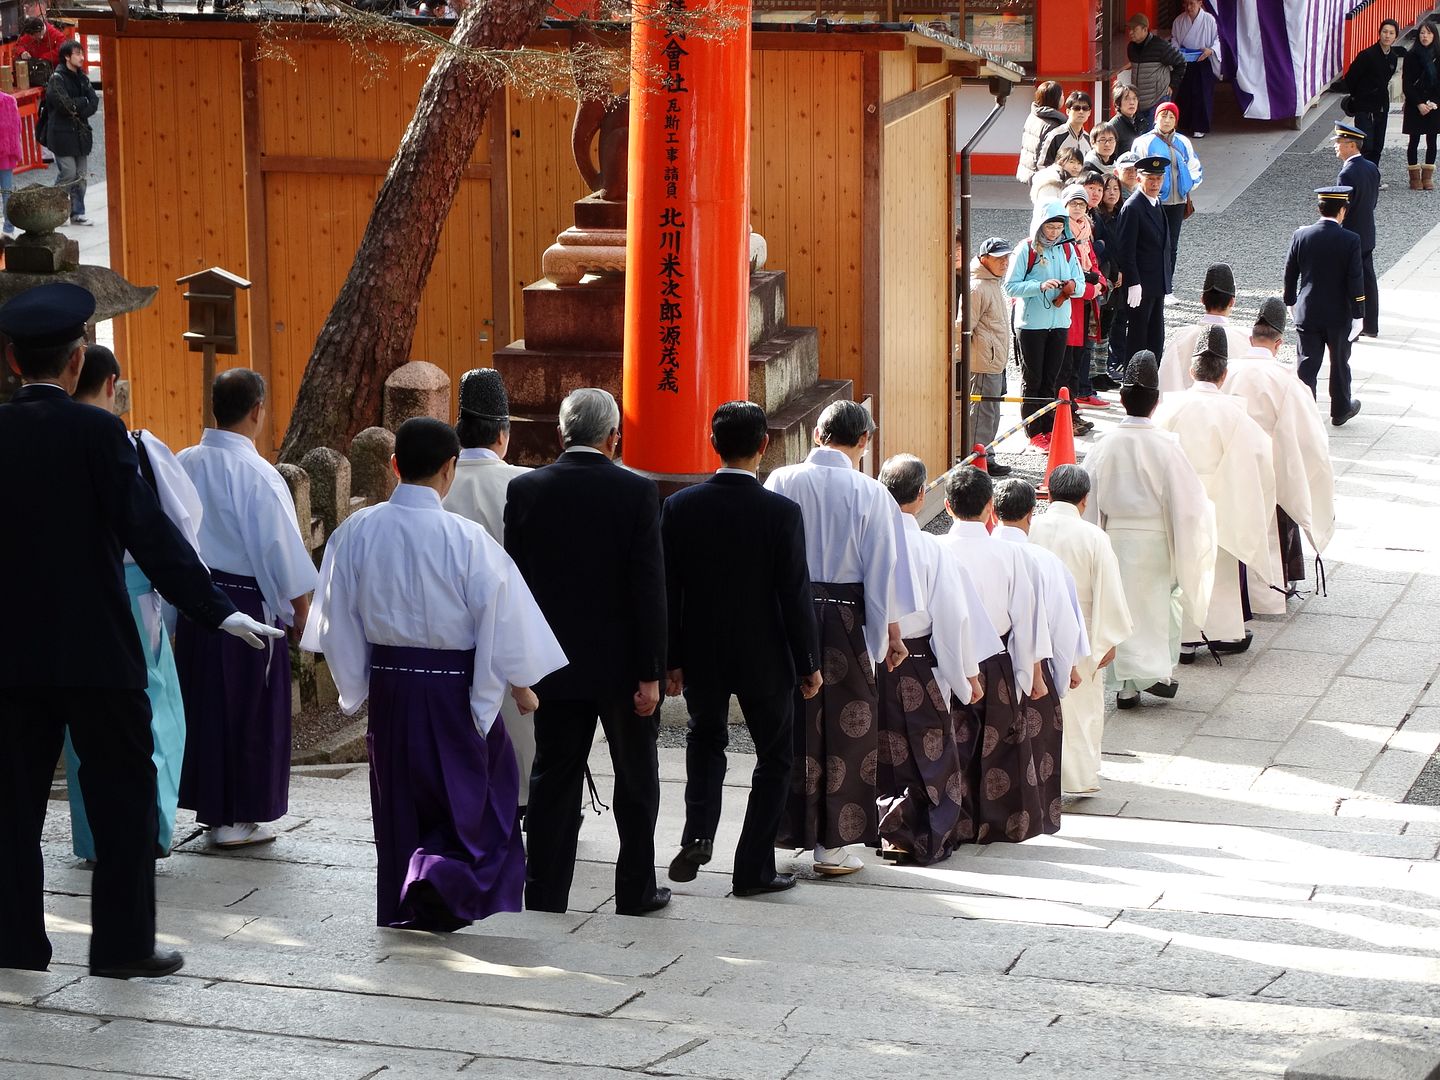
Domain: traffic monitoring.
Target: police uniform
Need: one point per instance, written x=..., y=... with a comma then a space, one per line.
x=1362, y=176
x=1325, y=284
x=1142, y=255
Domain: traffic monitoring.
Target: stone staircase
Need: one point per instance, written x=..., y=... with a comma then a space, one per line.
x=574, y=337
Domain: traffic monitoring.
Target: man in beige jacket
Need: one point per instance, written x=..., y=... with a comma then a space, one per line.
x=990, y=343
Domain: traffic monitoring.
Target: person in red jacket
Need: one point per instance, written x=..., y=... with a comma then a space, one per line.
x=40, y=41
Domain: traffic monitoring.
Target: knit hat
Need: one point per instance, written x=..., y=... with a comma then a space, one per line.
x=482, y=395
x=1168, y=106
x=1073, y=192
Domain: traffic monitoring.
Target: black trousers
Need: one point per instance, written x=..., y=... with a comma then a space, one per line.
x=1313, y=345
x=1372, y=293
x=1373, y=124
x=1175, y=214
x=1042, y=356
x=1145, y=325
x=111, y=733
x=769, y=718
x=564, y=731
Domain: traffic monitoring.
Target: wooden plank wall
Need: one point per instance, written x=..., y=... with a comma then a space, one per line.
x=917, y=276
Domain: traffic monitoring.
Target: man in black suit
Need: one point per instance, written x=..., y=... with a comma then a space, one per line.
x=1141, y=249
x=1325, y=284
x=586, y=534
x=741, y=622
x=1362, y=176
x=70, y=655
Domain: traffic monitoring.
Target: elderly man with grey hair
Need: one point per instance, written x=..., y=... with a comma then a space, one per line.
x=1085, y=550
x=585, y=534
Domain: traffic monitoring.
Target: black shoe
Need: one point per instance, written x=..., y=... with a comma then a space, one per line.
x=1233, y=648
x=996, y=469
x=658, y=899
x=1083, y=427
x=1127, y=702
x=155, y=966
x=1103, y=382
x=1187, y=657
x=692, y=856
x=779, y=883
x=1341, y=421
x=431, y=913
x=1163, y=689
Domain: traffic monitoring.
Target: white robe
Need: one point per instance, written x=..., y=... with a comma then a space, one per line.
x=407, y=573
x=1059, y=603
x=1304, y=477
x=951, y=613
x=248, y=527
x=181, y=503
x=1180, y=350
x=853, y=531
x=1149, y=500
x=1001, y=576
x=1087, y=553
x=1232, y=454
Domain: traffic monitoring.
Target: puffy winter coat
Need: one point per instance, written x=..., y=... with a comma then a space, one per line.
x=1034, y=263
x=1041, y=121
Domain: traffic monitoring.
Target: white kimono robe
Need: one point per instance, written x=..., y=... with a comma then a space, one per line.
x=853, y=532
x=1064, y=618
x=951, y=612
x=248, y=526
x=181, y=503
x=1232, y=454
x=1304, y=477
x=478, y=493
x=407, y=573
x=1149, y=500
x=1086, y=552
x=1180, y=350
x=1001, y=576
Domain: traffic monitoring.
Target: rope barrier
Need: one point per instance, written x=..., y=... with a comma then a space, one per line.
x=1055, y=403
x=1010, y=398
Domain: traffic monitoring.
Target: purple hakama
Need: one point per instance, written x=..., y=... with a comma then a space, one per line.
x=237, y=716
x=444, y=797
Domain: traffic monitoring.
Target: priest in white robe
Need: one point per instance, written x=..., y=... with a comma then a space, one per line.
x=1086, y=551
x=920, y=779
x=1149, y=500
x=1304, y=476
x=422, y=614
x=1218, y=297
x=237, y=700
x=1232, y=454
x=860, y=579
x=482, y=476
x=1003, y=739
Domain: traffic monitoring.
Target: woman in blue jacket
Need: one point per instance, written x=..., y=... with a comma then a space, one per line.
x=1045, y=273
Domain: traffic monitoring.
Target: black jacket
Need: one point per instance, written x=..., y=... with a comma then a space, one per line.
x=741, y=616
x=1140, y=245
x=1364, y=177
x=70, y=101
x=1367, y=79
x=585, y=533
x=1324, y=277
x=1421, y=79
x=77, y=502
x=1158, y=66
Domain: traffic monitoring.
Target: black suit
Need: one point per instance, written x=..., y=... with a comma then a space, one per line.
x=1141, y=250
x=1364, y=177
x=1325, y=284
x=742, y=622
x=70, y=656
x=586, y=535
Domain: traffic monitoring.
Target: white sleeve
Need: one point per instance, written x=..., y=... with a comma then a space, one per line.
x=1029, y=634
x=178, y=497
x=283, y=566
x=335, y=627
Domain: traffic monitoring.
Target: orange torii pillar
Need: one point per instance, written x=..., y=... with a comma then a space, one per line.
x=687, y=272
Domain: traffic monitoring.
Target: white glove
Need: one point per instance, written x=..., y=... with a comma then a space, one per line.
x=1132, y=298
x=249, y=631
x=1356, y=325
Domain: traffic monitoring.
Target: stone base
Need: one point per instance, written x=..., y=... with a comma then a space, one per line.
x=43, y=253
x=588, y=316
x=1364, y=1059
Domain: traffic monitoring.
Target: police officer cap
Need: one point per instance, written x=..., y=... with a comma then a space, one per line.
x=1143, y=370
x=482, y=395
x=1273, y=314
x=53, y=314
x=1213, y=342
x=1344, y=130
x=1338, y=193
x=1152, y=166
x=1220, y=278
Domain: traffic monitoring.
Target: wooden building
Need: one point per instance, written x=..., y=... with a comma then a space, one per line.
x=220, y=154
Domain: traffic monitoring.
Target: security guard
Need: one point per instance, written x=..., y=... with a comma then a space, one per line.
x=1325, y=284
x=1142, y=254
x=1362, y=176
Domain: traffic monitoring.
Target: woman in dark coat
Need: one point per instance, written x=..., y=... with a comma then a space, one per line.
x=70, y=101
x=1421, y=78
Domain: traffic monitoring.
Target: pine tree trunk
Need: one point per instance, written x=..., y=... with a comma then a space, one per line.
x=369, y=330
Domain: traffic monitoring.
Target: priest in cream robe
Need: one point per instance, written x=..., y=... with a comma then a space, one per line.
x=481, y=477
x=1086, y=552
x=181, y=504
x=1304, y=477
x=919, y=784
x=1232, y=454
x=1149, y=500
x=1001, y=738
x=1218, y=296
x=861, y=583
x=423, y=614
x=237, y=700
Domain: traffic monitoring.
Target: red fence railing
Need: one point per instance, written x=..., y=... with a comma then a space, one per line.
x=1362, y=22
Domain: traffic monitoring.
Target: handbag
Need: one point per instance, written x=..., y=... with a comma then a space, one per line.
x=1189, y=207
x=1347, y=105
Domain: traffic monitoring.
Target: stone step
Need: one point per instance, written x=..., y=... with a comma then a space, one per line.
x=783, y=365
x=767, y=305
x=792, y=426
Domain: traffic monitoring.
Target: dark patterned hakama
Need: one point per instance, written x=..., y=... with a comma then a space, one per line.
x=919, y=781
x=832, y=787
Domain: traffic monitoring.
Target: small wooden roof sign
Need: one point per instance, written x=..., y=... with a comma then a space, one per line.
x=210, y=309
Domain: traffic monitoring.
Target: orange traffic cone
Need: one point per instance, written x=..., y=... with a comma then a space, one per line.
x=982, y=460
x=1062, y=436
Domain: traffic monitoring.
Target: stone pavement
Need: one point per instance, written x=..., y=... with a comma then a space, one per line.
x=1246, y=884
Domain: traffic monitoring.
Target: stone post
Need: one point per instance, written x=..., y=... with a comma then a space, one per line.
x=418, y=388
x=329, y=486
x=371, y=477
